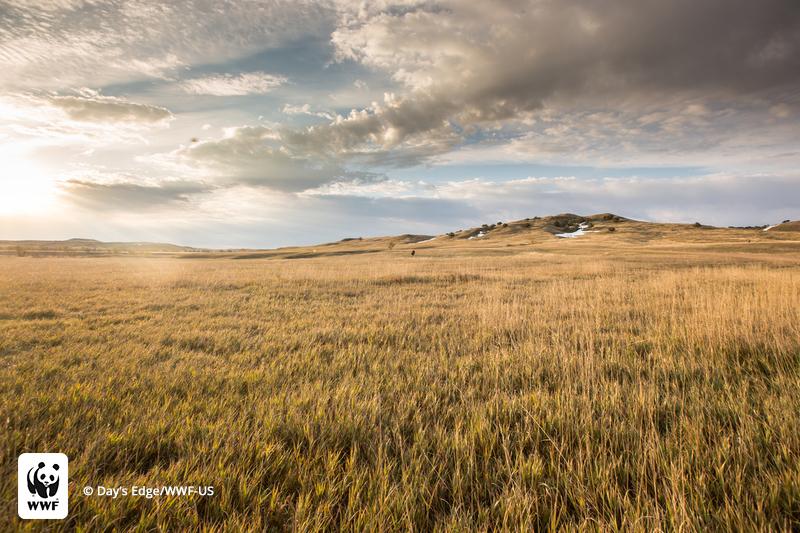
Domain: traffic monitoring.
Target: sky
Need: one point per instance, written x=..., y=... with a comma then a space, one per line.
x=261, y=123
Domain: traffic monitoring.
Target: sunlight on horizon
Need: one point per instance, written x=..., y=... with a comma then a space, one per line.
x=26, y=188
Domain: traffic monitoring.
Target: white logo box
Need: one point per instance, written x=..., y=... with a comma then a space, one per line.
x=42, y=486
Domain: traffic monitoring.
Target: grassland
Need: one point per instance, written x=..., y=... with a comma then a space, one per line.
x=643, y=379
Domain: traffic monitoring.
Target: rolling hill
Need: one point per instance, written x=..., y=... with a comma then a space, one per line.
x=556, y=232
x=563, y=233
x=88, y=247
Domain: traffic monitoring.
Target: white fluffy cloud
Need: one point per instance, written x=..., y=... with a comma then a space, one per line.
x=230, y=85
x=305, y=109
x=254, y=155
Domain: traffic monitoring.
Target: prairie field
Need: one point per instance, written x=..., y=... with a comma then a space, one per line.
x=574, y=385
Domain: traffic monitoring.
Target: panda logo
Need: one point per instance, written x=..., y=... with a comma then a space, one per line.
x=43, y=480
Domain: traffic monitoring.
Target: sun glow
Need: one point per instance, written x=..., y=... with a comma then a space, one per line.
x=25, y=187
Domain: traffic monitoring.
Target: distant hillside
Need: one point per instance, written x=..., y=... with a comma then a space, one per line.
x=547, y=231
x=88, y=247
x=605, y=225
x=787, y=225
x=557, y=225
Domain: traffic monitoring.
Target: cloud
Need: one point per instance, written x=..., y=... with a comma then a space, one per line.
x=62, y=43
x=513, y=54
x=230, y=85
x=129, y=194
x=305, y=109
x=561, y=79
x=80, y=123
x=254, y=155
x=394, y=133
x=291, y=160
x=722, y=199
x=474, y=64
x=96, y=108
x=464, y=70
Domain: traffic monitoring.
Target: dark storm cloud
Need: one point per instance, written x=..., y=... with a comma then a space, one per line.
x=483, y=61
x=728, y=45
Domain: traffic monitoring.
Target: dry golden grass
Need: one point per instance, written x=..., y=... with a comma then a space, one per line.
x=567, y=386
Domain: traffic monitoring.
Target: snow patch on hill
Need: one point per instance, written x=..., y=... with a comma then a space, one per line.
x=582, y=227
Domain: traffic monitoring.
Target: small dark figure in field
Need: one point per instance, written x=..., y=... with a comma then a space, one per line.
x=413, y=253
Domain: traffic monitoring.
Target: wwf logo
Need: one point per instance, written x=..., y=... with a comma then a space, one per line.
x=42, y=483
x=43, y=480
